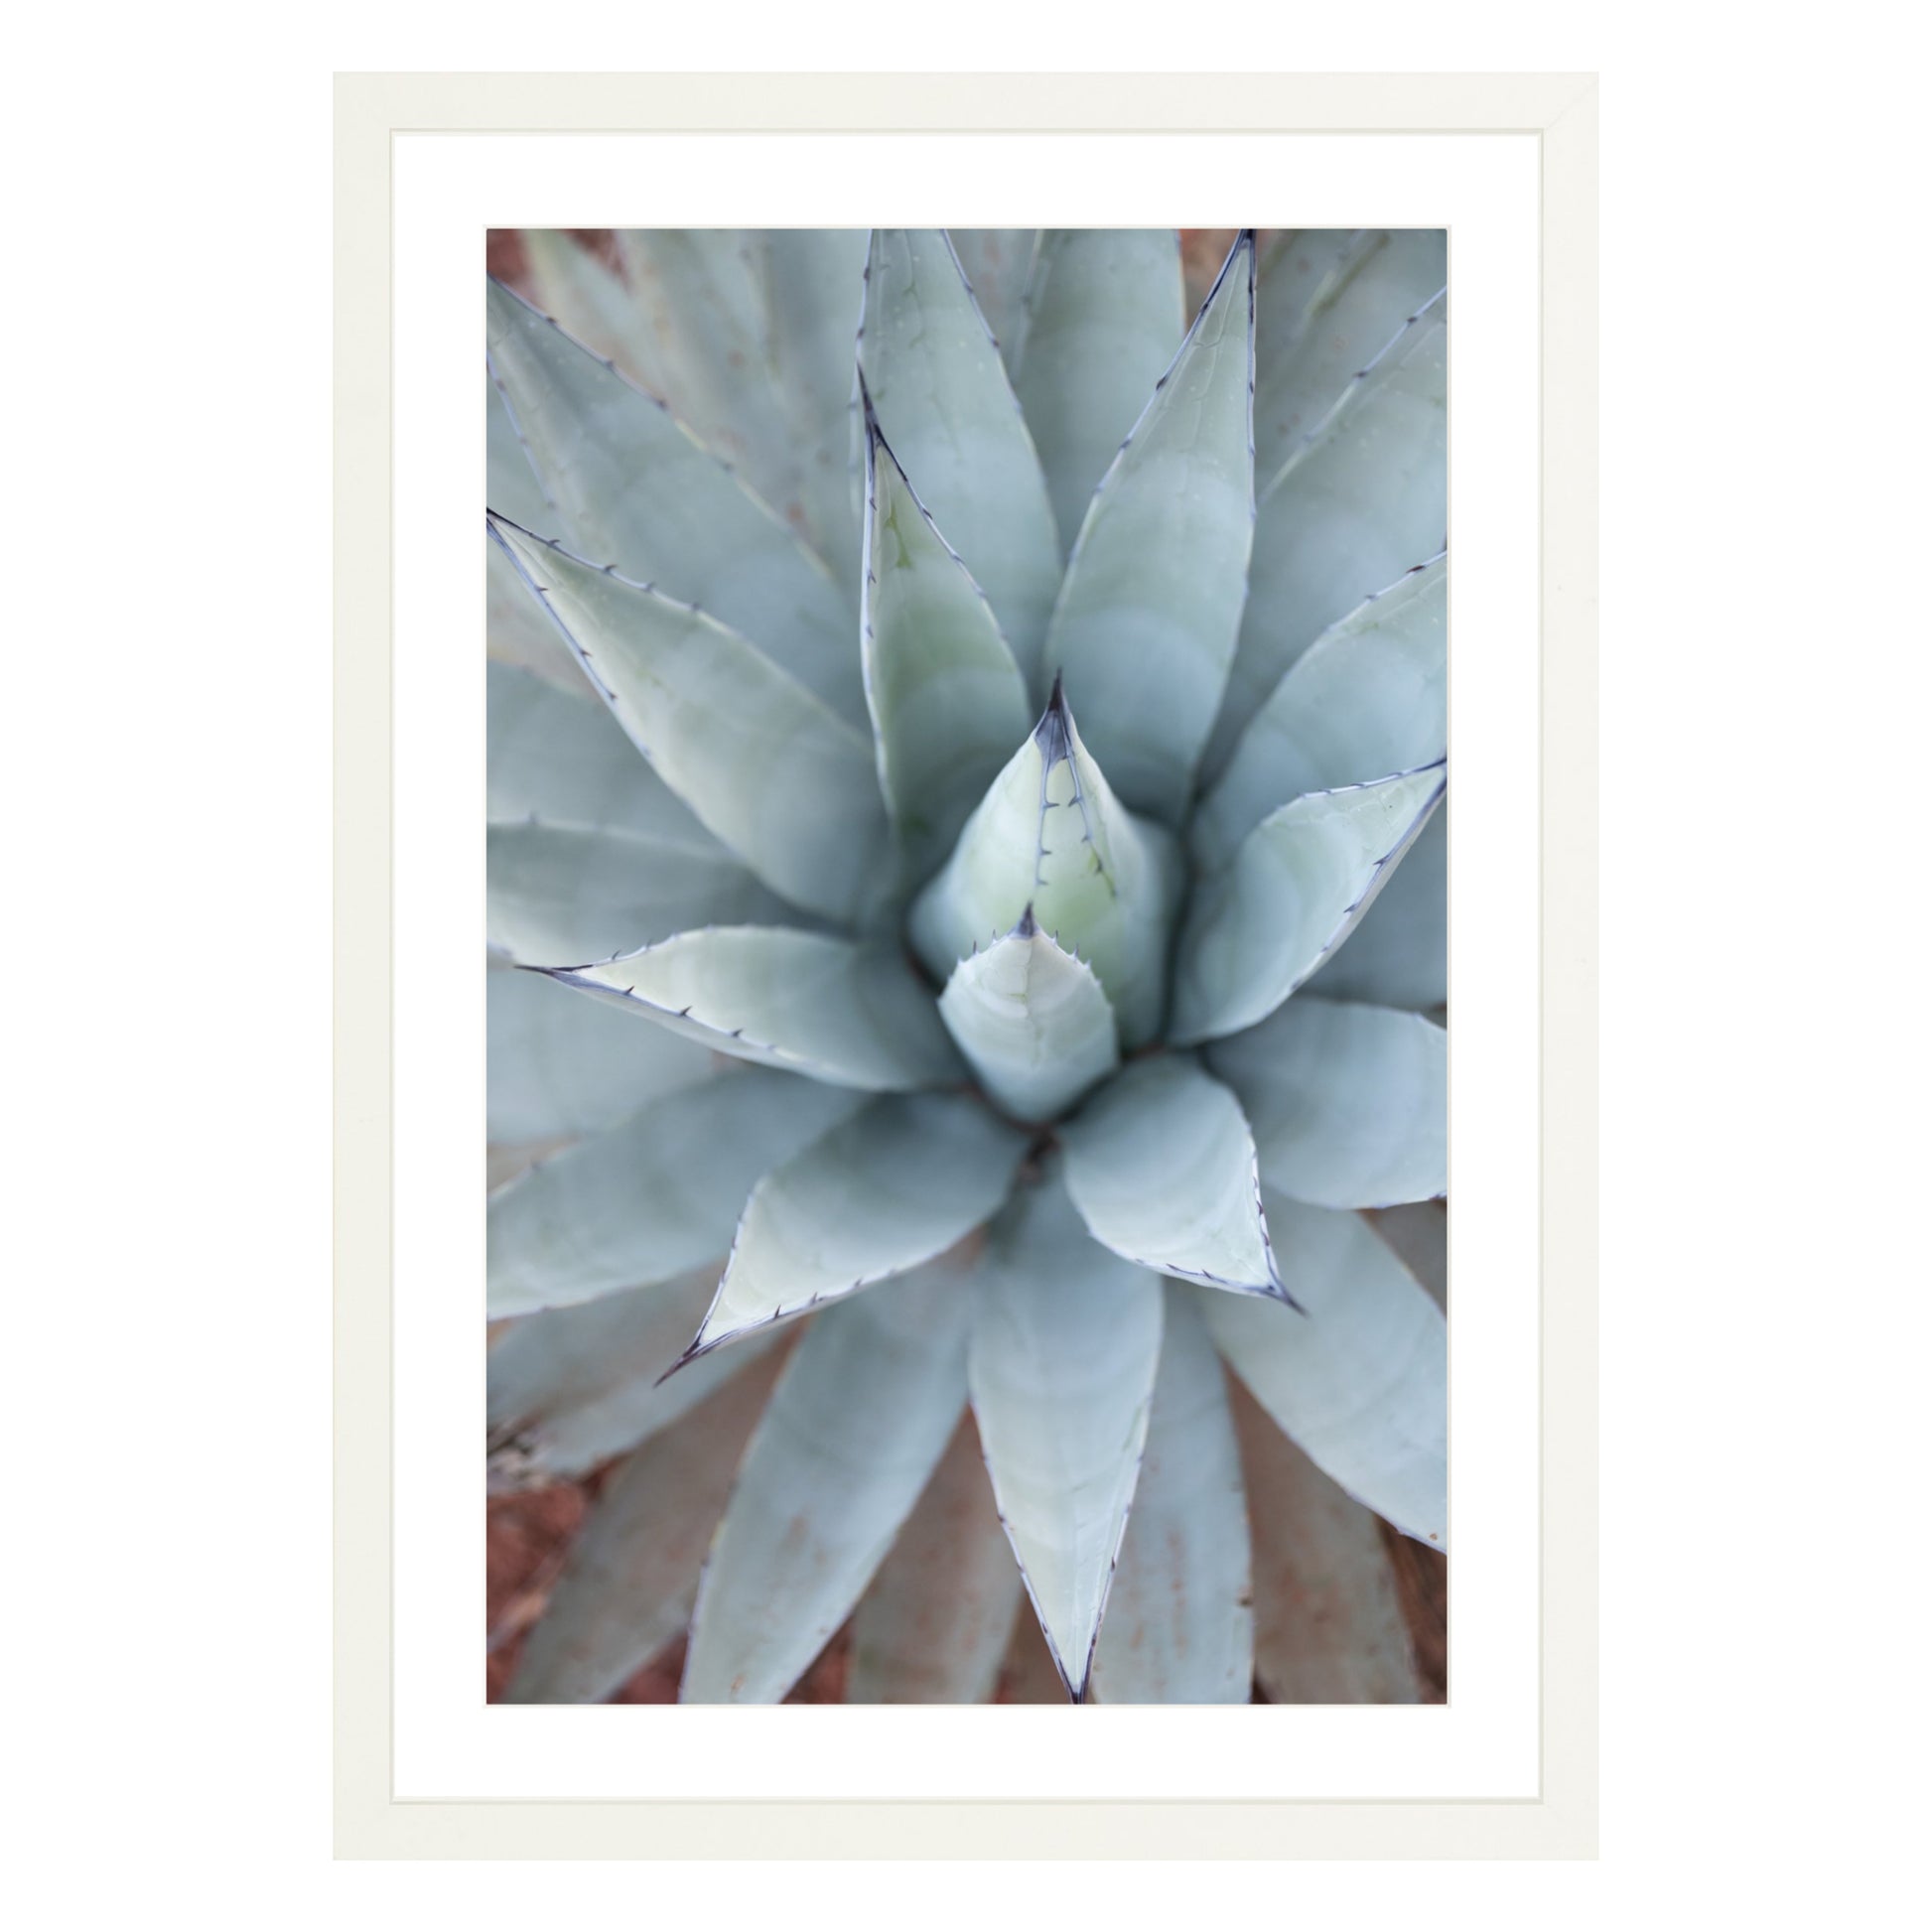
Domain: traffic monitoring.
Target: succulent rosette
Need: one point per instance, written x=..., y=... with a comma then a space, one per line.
x=966, y=915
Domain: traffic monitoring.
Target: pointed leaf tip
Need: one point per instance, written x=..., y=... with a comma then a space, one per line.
x=1161, y=1167
x=936, y=378
x=1061, y=1386
x=1298, y=885
x=1050, y=832
x=1150, y=608
x=1362, y=1385
x=886, y=1191
x=1033, y=1021
x=946, y=700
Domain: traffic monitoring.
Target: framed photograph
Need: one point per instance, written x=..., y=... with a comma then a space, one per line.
x=952, y=1126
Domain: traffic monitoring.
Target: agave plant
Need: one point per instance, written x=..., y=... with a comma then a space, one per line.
x=936, y=1056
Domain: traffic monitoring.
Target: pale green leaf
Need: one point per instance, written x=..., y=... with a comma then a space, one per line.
x=562, y=1065
x=588, y=300
x=1330, y=299
x=1162, y=1166
x=852, y=1015
x=1103, y=317
x=1144, y=627
x=1358, y=502
x=1297, y=885
x=628, y=1587
x=560, y=756
x=1362, y=1381
x=701, y=295
x=754, y=331
x=949, y=412
x=934, y=1624
x=1349, y=1104
x=511, y=484
x=570, y=1388
x=769, y=768
x=850, y=1438
x=1399, y=955
x=1050, y=835
x=1328, y=1621
x=947, y=701
x=639, y=492
x=517, y=629
x=561, y=895
x=1065, y=1343
x=891, y=1188
x=996, y=263
x=1033, y=1021
x=1370, y=697
x=817, y=287
x=1180, y=1625
x=653, y=1196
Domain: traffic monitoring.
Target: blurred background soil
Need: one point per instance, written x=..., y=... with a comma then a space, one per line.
x=528, y=1535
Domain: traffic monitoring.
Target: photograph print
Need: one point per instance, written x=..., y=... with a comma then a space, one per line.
x=966, y=972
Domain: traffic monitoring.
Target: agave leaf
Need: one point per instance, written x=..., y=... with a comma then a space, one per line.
x=560, y=756
x=887, y=1189
x=815, y=279
x=1361, y=1384
x=767, y=767
x=628, y=1584
x=510, y=480
x=850, y=1438
x=996, y=263
x=588, y=298
x=754, y=330
x=516, y=628
x=637, y=492
x=934, y=1624
x=1399, y=955
x=1103, y=313
x=1330, y=299
x=503, y=1161
x=570, y=1388
x=1146, y=623
x=1299, y=882
x=561, y=1066
x=651, y=1197
x=1033, y=1021
x=560, y=894
x=1050, y=835
x=1352, y=507
x=947, y=701
x=1369, y=697
x=1067, y=1339
x=701, y=295
x=1418, y=1232
x=1162, y=1166
x=1181, y=1621
x=1349, y=1103
x=1328, y=1622
x=851, y=1014
x=949, y=412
